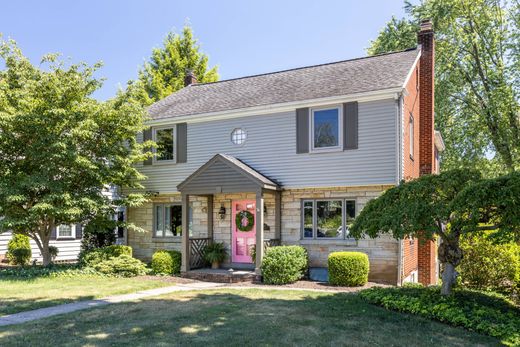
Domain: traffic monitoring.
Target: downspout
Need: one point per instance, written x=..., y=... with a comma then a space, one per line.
x=399, y=173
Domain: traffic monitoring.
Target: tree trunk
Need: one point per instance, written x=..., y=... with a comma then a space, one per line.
x=450, y=255
x=42, y=239
x=46, y=255
x=449, y=275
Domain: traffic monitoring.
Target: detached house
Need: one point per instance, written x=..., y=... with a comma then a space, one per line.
x=291, y=157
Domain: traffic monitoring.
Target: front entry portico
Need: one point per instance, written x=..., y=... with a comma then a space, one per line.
x=223, y=175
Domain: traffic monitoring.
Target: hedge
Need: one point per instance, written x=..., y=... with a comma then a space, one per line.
x=95, y=256
x=487, y=313
x=19, y=250
x=123, y=266
x=284, y=264
x=166, y=262
x=348, y=268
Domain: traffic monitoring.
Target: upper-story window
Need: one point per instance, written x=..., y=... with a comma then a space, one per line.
x=326, y=125
x=411, y=135
x=165, y=144
x=238, y=136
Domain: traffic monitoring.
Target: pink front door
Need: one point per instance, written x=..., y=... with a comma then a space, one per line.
x=243, y=230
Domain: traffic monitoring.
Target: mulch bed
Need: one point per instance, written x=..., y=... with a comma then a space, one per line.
x=310, y=285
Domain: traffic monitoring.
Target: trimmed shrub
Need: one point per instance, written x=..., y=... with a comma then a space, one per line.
x=284, y=264
x=487, y=313
x=348, y=268
x=53, y=251
x=19, y=250
x=123, y=266
x=166, y=262
x=489, y=266
x=95, y=256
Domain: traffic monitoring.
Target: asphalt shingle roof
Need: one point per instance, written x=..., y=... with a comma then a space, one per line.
x=313, y=82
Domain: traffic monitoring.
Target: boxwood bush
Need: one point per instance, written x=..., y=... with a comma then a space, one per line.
x=19, y=250
x=489, y=266
x=166, y=262
x=95, y=256
x=488, y=313
x=348, y=268
x=123, y=266
x=284, y=264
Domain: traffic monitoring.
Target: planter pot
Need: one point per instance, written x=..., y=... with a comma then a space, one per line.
x=215, y=265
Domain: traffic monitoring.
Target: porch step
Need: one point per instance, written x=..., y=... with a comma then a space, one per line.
x=221, y=275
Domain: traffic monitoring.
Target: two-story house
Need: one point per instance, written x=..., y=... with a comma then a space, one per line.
x=291, y=157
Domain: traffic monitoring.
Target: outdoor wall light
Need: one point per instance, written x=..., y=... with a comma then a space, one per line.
x=265, y=210
x=222, y=212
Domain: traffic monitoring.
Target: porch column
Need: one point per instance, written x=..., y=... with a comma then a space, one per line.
x=278, y=215
x=210, y=217
x=259, y=231
x=185, y=247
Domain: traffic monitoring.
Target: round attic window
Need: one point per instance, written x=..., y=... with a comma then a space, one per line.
x=238, y=136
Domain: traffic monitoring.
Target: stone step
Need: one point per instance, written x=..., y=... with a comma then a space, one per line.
x=221, y=276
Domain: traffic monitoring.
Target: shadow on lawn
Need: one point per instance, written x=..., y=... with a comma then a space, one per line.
x=245, y=317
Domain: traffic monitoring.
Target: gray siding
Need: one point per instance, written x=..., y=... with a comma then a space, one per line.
x=68, y=249
x=271, y=149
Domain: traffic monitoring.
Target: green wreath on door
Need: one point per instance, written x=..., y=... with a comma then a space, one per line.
x=250, y=221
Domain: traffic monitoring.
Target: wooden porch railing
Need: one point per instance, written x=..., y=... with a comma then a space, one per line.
x=196, y=251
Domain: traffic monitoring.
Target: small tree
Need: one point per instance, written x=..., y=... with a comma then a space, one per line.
x=445, y=206
x=60, y=148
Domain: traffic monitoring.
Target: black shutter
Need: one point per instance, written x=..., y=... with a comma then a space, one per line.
x=182, y=143
x=79, y=231
x=53, y=233
x=350, y=125
x=147, y=136
x=302, y=130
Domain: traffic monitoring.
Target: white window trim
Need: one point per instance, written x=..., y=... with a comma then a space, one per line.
x=337, y=148
x=315, y=219
x=72, y=231
x=411, y=135
x=154, y=138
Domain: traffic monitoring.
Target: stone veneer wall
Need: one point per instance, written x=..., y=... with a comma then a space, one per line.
x=382, y=252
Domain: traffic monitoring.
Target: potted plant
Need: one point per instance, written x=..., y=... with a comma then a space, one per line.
x=215, y=253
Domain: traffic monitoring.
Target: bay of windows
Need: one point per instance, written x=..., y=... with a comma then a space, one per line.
x=327, y=219
x=167, y=220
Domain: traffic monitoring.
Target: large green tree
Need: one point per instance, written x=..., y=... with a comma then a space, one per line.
x=445, y=206
x=168, y=65
x=477, y=75
x=60, y=148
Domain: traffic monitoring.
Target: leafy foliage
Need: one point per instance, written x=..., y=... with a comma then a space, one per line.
x=486, y=313
x=53, y=252
x=123, y=266
x=53, y=271
x=284, y=264
x=168, y=65
x=215, y=252
x=99, y=232
x=477, y=77
x=60, y=148
x=166, y=262
x=19, y=250
x=448, y=205
x=95, y=256
x=489, y=266
x=348, y=268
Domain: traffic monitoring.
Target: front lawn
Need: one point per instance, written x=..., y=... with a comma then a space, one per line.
x=244, y=317
x=22, y=294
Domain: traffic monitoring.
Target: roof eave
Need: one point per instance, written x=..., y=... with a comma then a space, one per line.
x=277, y=108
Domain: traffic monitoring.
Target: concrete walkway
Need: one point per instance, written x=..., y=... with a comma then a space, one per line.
x=28, y=316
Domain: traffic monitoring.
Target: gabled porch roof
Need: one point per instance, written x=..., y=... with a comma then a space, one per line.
x=225, y=174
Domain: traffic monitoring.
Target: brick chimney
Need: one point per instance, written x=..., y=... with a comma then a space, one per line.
x=427, y=256
x=189, y=78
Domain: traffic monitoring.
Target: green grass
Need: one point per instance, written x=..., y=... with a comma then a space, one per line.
x=243, y=317
x=21, y=294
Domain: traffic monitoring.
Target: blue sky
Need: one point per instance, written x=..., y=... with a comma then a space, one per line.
x=241, y=37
